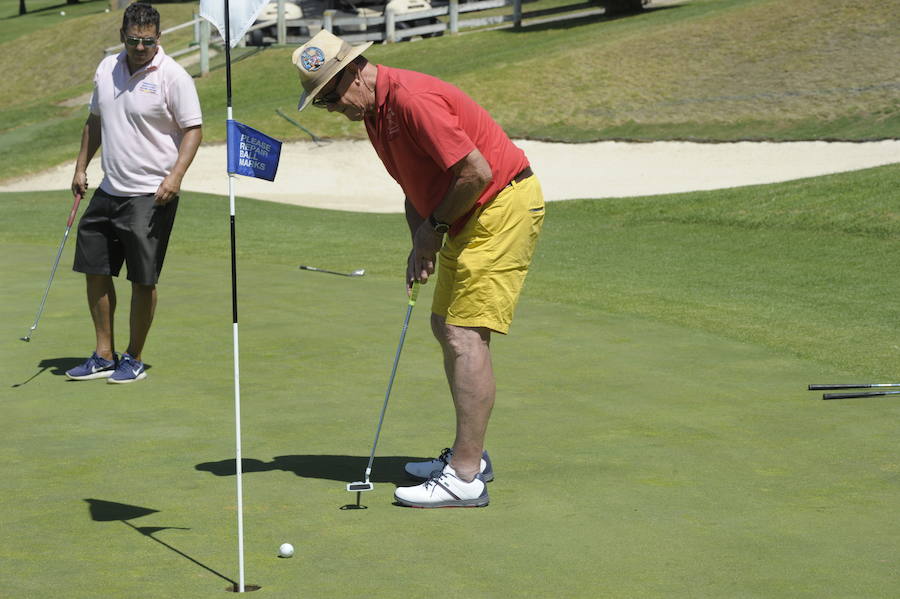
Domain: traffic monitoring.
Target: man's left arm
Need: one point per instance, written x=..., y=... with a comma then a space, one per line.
x=470, y=176
x=170, y=187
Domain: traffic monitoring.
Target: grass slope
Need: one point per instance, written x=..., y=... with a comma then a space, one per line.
x=652, y=435
x=705, y=69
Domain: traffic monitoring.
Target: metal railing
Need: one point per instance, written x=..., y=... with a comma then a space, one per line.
x=388, y=27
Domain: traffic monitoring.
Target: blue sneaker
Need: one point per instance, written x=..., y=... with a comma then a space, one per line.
x=129, y=370
x=94, y=368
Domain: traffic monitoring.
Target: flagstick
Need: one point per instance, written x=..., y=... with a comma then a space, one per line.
x=234, y=304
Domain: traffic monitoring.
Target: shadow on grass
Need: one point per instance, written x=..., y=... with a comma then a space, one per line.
x=58, y=367
x=111, y=511
x=342, y=468
x=549, y=23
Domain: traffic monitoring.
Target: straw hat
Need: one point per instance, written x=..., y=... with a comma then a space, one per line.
x=320, y=59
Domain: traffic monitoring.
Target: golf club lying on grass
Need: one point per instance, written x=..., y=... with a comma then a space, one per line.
x=855, y=386
x=356, y=273
x=366, y=485
x=59, y=252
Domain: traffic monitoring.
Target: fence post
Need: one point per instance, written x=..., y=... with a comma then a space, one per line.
x=517, y=14
x=390, y=24
x=204, y=47
x=328, y=20
x=282, y=26
x=454, y=17
x=196, y=18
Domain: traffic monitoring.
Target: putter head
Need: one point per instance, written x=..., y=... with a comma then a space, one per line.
x=358, y=273
x=360, y=486
x=26, y=338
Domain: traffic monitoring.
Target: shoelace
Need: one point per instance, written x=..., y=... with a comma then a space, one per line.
x=445, y=456
x=435, y=479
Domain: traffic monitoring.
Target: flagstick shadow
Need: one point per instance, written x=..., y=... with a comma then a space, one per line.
x=111, y=511
x=148, y=531
x=59, y=367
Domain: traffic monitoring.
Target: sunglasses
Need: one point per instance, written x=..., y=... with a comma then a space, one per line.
x=322, y=101
x=148, y=42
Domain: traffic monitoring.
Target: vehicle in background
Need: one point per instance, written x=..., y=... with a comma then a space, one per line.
x=269, y=35
x=621, y=7
x=304, y=18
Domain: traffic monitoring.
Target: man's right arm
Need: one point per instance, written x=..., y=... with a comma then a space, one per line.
x=414, y=221
x=90, y=143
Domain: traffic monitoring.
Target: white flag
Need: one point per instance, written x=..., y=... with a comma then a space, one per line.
x=243, y=14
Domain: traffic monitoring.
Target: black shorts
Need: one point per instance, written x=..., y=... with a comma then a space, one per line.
x=116, y=229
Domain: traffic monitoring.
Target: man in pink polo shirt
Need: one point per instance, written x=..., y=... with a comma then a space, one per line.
x=472, y=200
x=146, y=112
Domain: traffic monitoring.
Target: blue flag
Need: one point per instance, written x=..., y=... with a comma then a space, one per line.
x=252, y=153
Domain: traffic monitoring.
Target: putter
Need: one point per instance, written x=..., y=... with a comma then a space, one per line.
x=859, y=394
x=59, y=252
x=366, y=485
x=356, y=273
x=851, y=386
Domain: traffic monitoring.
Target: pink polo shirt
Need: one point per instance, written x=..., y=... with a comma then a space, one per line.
x=141, y=119
x=423, y=126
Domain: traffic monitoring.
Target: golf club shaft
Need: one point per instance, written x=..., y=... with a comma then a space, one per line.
x=298, y=125
x=852, y=386
x=387, y=394
x=860, y=394
x=59, y=252
x=331, y=272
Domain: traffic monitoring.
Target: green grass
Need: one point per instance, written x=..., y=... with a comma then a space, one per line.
x=41, y=15
x=652, y=435
x=702, y=70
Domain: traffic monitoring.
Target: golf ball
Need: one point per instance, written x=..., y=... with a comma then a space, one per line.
x=286, y=550
x=62, y=13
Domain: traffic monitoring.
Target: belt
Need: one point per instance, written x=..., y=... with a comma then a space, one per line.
x=523, y=174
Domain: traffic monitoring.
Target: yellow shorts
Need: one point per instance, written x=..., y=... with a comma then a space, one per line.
x=481, y=269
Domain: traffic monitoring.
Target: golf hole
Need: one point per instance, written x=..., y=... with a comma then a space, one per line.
x=247, y=588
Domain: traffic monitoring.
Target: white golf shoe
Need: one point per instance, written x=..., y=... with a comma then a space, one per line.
x=424, y=470
x=444, y=489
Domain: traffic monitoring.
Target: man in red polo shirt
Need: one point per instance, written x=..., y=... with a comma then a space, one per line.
x=471, y=199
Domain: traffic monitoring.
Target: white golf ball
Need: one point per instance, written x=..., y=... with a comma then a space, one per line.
x=286, y=550
x=62, y=13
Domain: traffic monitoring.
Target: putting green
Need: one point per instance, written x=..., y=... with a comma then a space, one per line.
x=634, y=457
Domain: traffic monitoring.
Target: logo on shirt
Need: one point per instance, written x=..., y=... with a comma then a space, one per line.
x=393, y=126
x=312, y=59
x=148, y=87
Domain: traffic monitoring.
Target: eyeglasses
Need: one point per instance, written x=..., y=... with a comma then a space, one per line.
x=322, y=101
x=148, y=42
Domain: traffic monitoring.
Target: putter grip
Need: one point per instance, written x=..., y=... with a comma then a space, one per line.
x=848, y=395
x=414, y=294
x=74, y=210
x=850, y=386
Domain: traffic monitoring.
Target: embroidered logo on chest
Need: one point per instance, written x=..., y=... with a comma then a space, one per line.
x=392, y=124
x=146, y=87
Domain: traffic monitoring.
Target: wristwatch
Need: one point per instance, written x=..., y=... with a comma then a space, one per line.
x=439, y=227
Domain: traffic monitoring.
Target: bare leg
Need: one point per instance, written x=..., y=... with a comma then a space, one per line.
x=467, y=363
x=101, y=296
x=143, y=306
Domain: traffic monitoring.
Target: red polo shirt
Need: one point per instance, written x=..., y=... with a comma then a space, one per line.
x=423, y=126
